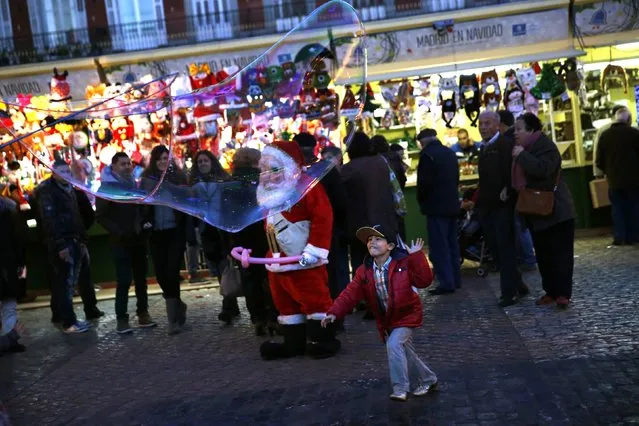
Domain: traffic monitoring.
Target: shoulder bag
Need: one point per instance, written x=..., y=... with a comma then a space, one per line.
x=537, y=202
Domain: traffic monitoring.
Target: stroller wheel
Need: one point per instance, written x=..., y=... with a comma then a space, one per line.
x=481, y=272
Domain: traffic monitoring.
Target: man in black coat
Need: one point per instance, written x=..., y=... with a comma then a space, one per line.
x=337, y=266
x=618, y=158
x=496, y=205
x=123, y=222
x=438, y=198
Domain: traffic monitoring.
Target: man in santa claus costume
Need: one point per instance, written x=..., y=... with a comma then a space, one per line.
x=300, y=290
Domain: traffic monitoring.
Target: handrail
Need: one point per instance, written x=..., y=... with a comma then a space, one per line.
x=202, y=28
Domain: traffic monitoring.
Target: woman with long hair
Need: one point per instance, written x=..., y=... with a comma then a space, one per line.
x=168, y=233
x=537, y=165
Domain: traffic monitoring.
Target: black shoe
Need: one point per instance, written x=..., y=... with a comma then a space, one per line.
x=16, y=347
x=523, y=290
x=441, y=291
x=225, y=317
x=94, y=314
x=369, y=315
x=509, y=301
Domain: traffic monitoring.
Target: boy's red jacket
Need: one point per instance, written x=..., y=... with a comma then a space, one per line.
x=404, y=305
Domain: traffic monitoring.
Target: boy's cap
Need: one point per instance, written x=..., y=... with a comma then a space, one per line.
x=364, y=233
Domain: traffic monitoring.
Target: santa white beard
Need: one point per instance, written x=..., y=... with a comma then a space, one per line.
x=278, y=195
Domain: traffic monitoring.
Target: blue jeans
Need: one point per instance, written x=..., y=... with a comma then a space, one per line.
x=8, y=315
x=525, y=249
x=443, y=249
x=405, y=367
x=625, y=214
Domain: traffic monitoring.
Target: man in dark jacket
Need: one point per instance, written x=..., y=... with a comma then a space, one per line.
x=438, y=198
x=337, y=266
x=618, y=158
x=496, y=205
x=370, y=199
x=123, y=222
x=66, y=238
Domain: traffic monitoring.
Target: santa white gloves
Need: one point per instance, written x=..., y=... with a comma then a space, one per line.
x=308, y=259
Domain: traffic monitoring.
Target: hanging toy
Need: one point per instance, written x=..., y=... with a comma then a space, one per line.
x=389, y=118
x=349, y=104
x=470, y=97
x=513, y=94
x=570, y=74
x=185, y=130
x=200, y=76
x=307, y=95
x=448, y=98
x=491, y=93
x=550, y=84
x=423, y=98
x=60, y=89
x=614, y=76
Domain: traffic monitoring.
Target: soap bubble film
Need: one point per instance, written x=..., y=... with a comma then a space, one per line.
x=198, y=141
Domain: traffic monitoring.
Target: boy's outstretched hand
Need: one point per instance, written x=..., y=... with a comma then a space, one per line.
x=327, y=320
x=416, y=246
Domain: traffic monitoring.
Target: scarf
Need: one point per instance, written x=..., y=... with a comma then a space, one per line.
x=518, y=175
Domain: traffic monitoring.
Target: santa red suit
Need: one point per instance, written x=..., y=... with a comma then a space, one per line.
x=300, y=290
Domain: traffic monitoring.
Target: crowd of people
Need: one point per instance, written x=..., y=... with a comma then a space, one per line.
x=348, y=231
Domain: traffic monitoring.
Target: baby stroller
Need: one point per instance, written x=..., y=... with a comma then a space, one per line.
x=472, y=244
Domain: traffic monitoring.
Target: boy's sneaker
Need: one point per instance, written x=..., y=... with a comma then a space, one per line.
x=145, y=320
x=123, y=326
x=78, y=327
x=423, y=389
x=399, y=396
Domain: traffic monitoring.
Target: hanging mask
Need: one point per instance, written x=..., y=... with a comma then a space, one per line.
x=571, y=75
x=614, y=76
x=513, y=94
x=470, y=97
x=448, y=98
x=491, y=94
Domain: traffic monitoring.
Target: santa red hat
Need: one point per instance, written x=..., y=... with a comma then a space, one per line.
x=289, y=153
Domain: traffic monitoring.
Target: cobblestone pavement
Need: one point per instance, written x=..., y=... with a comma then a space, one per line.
x=518, y=366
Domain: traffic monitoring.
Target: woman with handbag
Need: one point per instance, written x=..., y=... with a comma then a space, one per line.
x=207, y=180
x=545, y=203
x=167, y=233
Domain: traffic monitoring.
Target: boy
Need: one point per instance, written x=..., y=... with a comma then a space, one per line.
x=386, y=281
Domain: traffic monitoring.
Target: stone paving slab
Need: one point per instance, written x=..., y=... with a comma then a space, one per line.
x=524, y=365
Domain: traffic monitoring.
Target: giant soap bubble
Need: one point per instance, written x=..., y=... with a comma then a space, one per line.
x=193, y=137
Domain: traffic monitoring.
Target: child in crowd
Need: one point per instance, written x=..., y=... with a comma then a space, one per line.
x=386, y=281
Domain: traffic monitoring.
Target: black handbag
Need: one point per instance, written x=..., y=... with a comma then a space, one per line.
x=231, y=280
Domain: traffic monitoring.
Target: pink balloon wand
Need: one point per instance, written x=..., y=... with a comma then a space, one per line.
x=243, y=255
